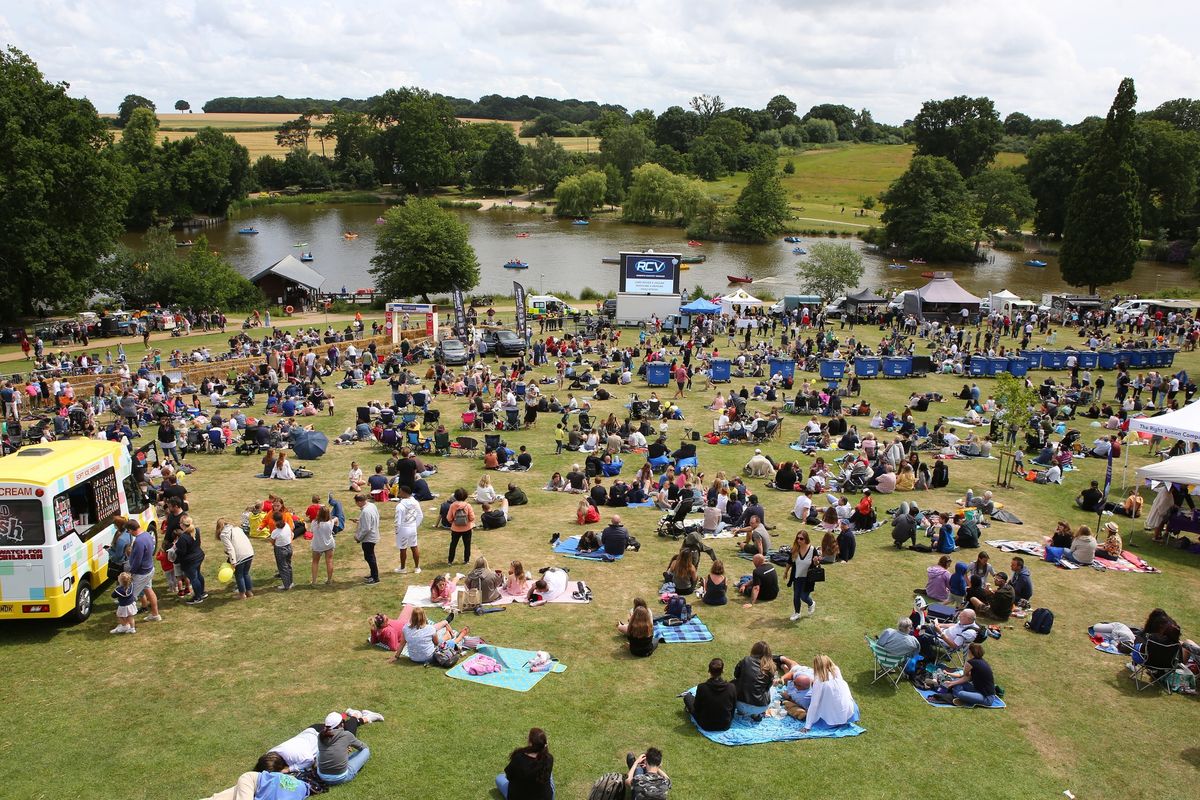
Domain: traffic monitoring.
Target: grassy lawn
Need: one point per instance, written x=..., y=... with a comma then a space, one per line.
x=194, y=700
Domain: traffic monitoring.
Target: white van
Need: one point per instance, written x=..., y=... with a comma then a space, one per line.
x=57, y=505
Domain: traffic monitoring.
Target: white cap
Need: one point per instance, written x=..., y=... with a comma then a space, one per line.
x=333, y=719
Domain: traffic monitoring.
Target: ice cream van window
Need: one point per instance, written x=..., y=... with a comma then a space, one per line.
x=21, y=523
x=87, y=507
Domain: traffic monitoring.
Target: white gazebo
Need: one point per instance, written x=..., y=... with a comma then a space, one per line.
x=732, y=304
x=1182, y=424
x=1004, y=302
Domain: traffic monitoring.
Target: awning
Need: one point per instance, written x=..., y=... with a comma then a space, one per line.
x=1180, y=469
x=1182, y=424
x=290, y=268
x=700, y=306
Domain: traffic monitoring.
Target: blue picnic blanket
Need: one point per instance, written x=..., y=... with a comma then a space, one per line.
x=1108, y=646
x=569, y=547
x=927, y=694
x=515, y=675
x=643, y=504
x=775, y=729
x=691, y=631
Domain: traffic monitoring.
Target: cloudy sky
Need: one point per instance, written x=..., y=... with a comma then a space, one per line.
x=1048, y=58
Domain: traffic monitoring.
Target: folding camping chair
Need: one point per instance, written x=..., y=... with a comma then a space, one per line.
x=467, y=446
x=441, y=443
x=886, y=664
x=1152, y=662
x=431, y=418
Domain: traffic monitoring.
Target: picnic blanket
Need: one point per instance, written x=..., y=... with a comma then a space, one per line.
x=569, y=547
x=514, y=675
x=691, y=631
x=774, y=729
x=1128, y=562
x=643, y=504
x=419, y=596
x=1106, y=645
x=926, y=694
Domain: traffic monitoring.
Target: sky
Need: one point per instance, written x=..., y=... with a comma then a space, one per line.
x=1046, y=58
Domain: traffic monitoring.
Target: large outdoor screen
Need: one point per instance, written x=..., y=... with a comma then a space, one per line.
x=650, y=273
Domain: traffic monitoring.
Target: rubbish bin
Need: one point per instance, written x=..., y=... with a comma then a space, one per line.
x=1017, y=366
x=866, y=366
x=1088, y=359
x=997, y=365
x=658, y=373
x=1107, y=359
x=832, y=369
x=780, y=366
x=720, y=370
x=979, y=365
x=897, y=366
x=1054, y=359
x=1138, y=358
x=1033, y=358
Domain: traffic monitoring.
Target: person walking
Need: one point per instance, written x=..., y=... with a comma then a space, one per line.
x=141, y=566
x=804, y=558
x=281, y=537
x=323, y=544
x=239, y=553
x=190, y=556
x=462, y=523
x=367, y=535
x=408, y=519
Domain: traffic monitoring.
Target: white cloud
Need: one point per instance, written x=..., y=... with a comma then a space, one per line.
x=1060, y=59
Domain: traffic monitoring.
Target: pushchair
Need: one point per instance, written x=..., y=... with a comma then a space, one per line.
x=674, y=524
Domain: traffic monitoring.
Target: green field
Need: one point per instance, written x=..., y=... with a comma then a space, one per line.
x=180, y=709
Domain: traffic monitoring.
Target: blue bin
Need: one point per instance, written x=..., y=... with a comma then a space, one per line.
x=832, y=369
x=784, y=367
x=1106, y=359
x=720, y=370
x=979, y=365
x=658, y=373
x=1054, y=360
x=1089, y=359
x=866, y=367
x=1033, y=358
x=897, y=366
x=1017, y=367
x=1168, y=357
x=996, y=366
x=1138, y=358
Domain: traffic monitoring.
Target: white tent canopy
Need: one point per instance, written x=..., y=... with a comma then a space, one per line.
x=732, y=303
x=1181, y=469
x=1182, y=424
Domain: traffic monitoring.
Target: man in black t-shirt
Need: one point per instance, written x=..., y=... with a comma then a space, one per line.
x=406, y=469
x=576, y=480
x=764, y=582
x=1089, y=499
x=173, y=489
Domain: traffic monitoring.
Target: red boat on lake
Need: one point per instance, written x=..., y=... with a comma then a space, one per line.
x=740, y=279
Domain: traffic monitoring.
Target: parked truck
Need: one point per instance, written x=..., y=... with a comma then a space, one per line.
x=633, y=309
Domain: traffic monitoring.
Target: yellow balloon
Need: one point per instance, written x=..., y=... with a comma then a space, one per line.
x=225, y=573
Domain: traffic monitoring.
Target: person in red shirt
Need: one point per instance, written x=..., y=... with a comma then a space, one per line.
x=681, y=377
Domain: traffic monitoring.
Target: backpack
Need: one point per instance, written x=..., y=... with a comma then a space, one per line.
x=678, y=608
x=608, y=787
x=1041, y=621
x=445, y=657
x=460, y=517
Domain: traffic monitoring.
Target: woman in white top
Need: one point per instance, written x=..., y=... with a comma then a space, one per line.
x=323, y=544
x=239, y=553
x=831, y=702
x=484, y=493
x=282, y=471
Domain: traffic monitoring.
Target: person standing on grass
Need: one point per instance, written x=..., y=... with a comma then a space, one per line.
x=239, y=553
x=322, y=543
x=462, y=523
x=281, y=537
x=804, y=558
x=141, y=566
x=190, y=556
x=408, y=519
x=367, y=534
x=126, y=605
x=681, y=379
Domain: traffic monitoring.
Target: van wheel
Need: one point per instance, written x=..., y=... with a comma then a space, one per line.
x=83, y=601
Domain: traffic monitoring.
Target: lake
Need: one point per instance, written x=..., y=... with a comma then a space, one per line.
x=566, y=257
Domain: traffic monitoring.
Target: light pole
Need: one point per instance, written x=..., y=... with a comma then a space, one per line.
x=1156, y=277
x=542, y=282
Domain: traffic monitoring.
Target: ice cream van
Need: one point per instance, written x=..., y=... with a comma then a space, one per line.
x=57, y=504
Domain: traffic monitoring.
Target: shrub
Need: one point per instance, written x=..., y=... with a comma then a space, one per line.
x=789, y=167
x=588, y=293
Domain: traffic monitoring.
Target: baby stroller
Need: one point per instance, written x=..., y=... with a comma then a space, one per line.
x=854, y=478
x=674, y=525
x=637, y=407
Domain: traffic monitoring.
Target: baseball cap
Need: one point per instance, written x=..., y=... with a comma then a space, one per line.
x=333, y=719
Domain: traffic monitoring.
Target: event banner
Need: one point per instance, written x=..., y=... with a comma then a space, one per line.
x=650, y=273
x=460, y=316
x=519, y=297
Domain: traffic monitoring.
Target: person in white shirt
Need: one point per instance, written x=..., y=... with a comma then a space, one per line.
x=803, y=505
x=408, y=519
x=281, y=538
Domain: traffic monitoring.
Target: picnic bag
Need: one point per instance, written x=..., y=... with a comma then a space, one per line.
x=1041, y=621
x=472, y=598
x=445, y=656
x=608, y=787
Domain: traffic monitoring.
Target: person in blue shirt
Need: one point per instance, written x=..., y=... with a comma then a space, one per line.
x=943, y=540
x=289, y=408
x=1021, y=580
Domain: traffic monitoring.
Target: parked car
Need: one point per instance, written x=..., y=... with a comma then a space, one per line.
x=501, y=342
x=609, y=309
x=451, y=352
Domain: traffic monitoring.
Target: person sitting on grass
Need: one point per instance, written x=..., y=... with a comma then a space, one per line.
x=639, y=631
x=940, y=637
x=714, y=702
x=1090, y=498
x=831, y=702
x=762, y=585
x=494, y=515
x=424, y=637
x=335, y=764
x=300, y=752
x=1000, y=600
x=681, y=571
x=753, y=677
x=586, y=513
x=715, y=585
x=386, y=633
x=937, y=584
x=1083, y=547
x=615, y=537
x=645, y=779
x=977, y=686
x=529, y=774
x=757, y=539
